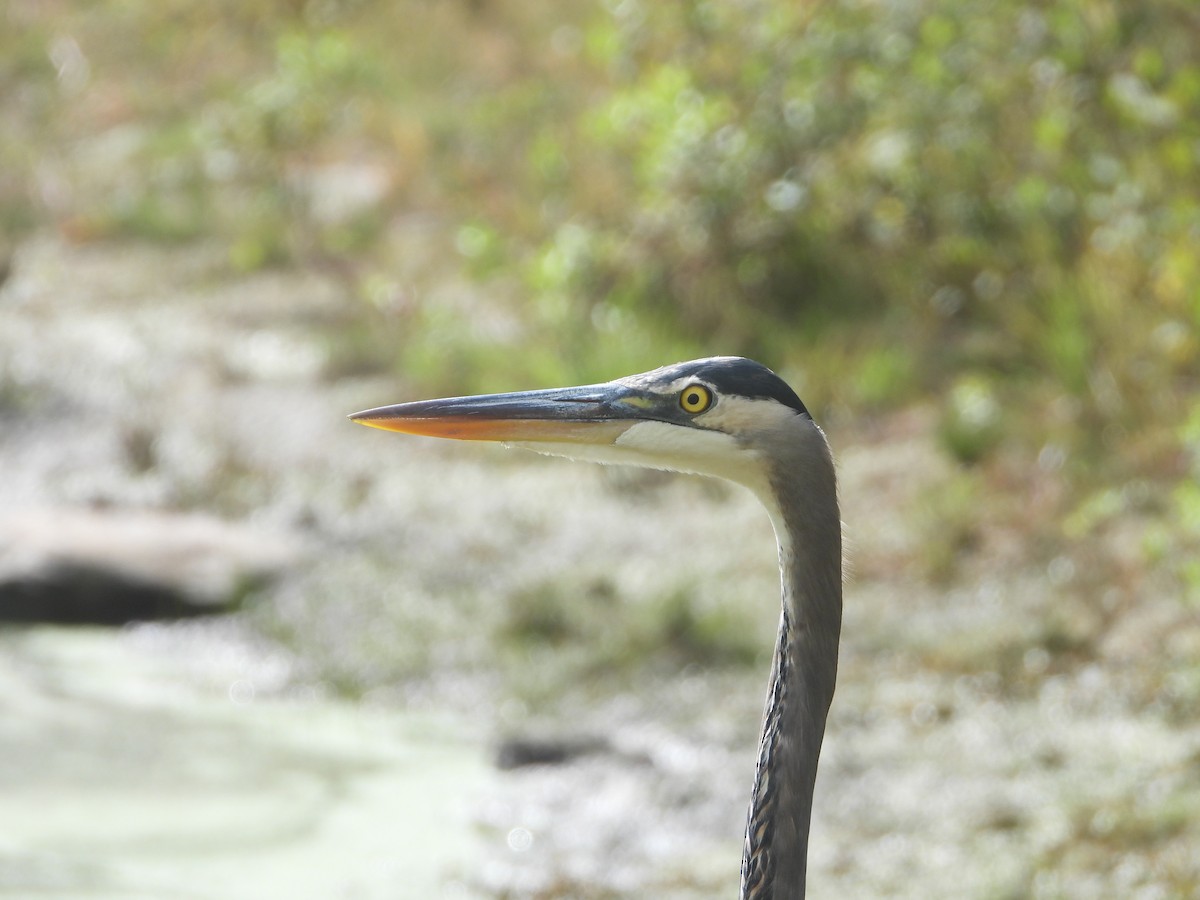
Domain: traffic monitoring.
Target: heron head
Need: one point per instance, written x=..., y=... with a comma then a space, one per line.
x=723, y=416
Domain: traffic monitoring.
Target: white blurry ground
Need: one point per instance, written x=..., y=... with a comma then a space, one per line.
x=145, y=377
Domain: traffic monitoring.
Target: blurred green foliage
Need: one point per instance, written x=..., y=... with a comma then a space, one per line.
x=991, y=204
x=999, y=190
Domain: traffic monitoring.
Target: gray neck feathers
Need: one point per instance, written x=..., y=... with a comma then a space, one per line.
x=804, y=669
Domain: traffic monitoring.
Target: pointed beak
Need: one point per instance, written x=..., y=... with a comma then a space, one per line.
x=593, y=414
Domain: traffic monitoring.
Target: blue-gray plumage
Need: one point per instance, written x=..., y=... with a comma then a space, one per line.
x=735, y=419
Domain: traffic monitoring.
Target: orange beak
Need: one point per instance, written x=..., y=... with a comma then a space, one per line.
x=593, y=414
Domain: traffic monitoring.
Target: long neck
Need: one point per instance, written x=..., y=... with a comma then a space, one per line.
x=808, y=525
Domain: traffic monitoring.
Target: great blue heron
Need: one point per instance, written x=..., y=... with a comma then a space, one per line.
x=732, y=418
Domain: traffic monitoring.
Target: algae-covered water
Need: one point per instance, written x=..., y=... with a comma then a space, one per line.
x=163, y=762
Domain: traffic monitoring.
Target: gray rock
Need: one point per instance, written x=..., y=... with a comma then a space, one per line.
x=115, y=566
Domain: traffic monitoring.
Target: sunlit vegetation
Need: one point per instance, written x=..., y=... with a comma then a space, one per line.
x=992, y=204
x=990, y=208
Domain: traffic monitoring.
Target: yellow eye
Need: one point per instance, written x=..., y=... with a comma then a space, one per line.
x=696, y=398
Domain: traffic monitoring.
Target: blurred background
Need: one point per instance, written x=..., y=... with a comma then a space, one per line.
x=250, y=650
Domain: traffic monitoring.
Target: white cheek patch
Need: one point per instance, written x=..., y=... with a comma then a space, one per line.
x=665, y=441
x=659, y=445
x=743, y=415
x=694, y=450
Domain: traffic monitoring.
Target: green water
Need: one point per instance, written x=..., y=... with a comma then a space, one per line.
x=134, y=767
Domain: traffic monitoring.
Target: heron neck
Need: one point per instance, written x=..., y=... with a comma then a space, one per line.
x=803, y=674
